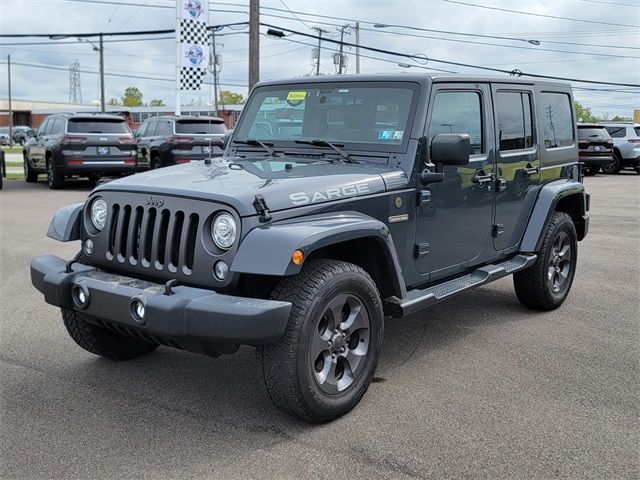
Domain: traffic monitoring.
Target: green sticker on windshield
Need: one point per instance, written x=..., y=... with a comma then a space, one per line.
x=296, y=96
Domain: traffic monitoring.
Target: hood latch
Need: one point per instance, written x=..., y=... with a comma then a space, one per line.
x=261, y=209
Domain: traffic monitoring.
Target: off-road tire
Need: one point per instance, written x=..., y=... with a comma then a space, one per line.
x=613, y=167
x=29, y=175
x=532, y=284
x=286, y=368
x=102, y=342
x=55, y=180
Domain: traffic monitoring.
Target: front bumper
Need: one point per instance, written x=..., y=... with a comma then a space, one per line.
x=191, y=318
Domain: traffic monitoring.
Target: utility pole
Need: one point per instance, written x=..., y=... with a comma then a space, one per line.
x=357, y=47
x=340, y=54
x=254, y=42
x=102, y=109
x=320, y=32
x=10, y=107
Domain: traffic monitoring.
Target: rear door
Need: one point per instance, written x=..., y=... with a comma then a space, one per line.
x=517, y=167
x=36, y=149
x=206, y=136
x=99, y=139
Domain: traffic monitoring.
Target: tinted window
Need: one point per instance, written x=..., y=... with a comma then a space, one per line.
x=89, y=125
x=513, y=112
x=555, y=109
x=45, y=128
x=617, y=132
x=341, y=113
x=637, y=130
x=164, y=128
x=200, y=127
x=458, y=112
x=592, y=132
x=142, y=130
x=58, y=126
x=151, y=129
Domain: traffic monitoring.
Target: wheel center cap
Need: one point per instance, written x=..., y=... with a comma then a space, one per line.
x=337, y=342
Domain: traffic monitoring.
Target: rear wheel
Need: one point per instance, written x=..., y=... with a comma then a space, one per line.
x=29, y=175
x=323, y=364
x=55, y=179
x=546, y=284
x=615, y=166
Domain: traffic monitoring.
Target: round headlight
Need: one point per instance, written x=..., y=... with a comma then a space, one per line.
x=224, y=231
x=99, y=213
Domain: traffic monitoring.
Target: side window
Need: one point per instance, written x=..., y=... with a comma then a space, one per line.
x=458, y=112
x=142, y=130
x=513, y=115
x=58, y=126
x=164, y=128
x=151, y=129
x=555, y=109
x=42, y=129
x=617, y=132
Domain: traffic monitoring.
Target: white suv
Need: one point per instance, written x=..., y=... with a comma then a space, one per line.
x=626, y=146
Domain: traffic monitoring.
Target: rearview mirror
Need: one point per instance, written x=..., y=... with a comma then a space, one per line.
x=450, y=149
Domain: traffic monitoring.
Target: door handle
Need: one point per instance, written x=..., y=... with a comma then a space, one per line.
x=480, y=177
x=531, y=170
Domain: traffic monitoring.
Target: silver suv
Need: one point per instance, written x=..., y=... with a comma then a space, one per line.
x=626, y=146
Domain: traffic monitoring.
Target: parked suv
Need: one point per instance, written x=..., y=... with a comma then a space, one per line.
x=626, y=146
x=80, y=144
x=170, y=139
x=384, y=195
x=595, y=148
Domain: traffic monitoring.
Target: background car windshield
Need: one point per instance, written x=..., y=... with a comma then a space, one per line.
x=97, y=126
x=200, y=127
x=340, y=114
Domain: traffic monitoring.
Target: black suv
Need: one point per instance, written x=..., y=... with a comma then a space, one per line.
x=339, y=201
x=170, y=139
x=89, y=145
x=595, y=148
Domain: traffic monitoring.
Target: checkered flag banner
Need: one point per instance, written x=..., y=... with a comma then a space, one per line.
x=193, y=37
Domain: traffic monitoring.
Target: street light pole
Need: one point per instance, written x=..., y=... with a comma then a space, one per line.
x=10, y=106
x=102, y=104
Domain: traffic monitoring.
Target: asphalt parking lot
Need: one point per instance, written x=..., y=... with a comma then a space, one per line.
x=476, y=387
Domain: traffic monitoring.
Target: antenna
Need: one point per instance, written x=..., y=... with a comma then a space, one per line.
x=75, y=90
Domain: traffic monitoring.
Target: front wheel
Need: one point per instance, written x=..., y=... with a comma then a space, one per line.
x=29, y=175
x=155, y=163
x=323, y=364
x=546, y=284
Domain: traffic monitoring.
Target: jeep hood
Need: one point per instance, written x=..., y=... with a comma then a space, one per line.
x=283, y=182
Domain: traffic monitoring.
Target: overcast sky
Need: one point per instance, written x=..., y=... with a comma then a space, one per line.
x=614, y=58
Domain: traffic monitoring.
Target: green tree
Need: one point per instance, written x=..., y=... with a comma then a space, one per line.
x=583, y=114
x=228, y=97
x=156, y=103
x=132, y=97
x=618, y=118
x=114, y=102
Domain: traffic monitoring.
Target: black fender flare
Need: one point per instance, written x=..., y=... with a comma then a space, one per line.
x=267, y=250
x=549, y=196
x=66, y=224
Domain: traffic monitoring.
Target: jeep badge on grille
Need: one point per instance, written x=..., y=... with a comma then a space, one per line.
x=154, y=202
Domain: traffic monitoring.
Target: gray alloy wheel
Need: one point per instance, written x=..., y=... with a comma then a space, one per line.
x=559, y=262
x=55, y=180
x=613, y=167
x=155, y=163
x=340, y=343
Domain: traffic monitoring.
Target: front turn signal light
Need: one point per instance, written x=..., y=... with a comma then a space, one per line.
x=297, y=257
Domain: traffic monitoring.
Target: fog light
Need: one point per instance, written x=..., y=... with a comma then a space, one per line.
x=88, y=247
x=138, y=310
x=80, y=296
x=221, y=270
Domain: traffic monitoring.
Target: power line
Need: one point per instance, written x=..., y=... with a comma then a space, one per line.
x=609, y=3
x=555, y=17
x=294, y=15
x=459, y=64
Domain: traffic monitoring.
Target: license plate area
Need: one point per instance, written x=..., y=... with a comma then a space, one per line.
x=206, y=149
x=103, y=150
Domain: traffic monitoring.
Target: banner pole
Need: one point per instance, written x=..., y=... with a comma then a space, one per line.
x=178, y=56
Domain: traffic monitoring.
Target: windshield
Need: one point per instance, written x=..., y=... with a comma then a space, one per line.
x=4, y=129
x=342, y=113
x=81, y=125
x=200, y=127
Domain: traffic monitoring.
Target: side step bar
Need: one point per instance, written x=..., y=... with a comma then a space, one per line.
x=417, y=299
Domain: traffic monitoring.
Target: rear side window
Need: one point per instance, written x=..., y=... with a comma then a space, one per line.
x=200, y=127
x=513, y=112
x=555, y=109
x=617, y=132
x=90, y=125
x=164, y=128
x=458, y=112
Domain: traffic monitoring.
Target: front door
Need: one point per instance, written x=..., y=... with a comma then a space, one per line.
x=517, y=162
x=454, y=216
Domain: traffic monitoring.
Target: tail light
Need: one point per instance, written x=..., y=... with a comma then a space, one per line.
x=126, y=140
x=73, y=139
x=129, y=162
x=583, y=143
x=183, y=160
x=178, y=139
x=609, y=143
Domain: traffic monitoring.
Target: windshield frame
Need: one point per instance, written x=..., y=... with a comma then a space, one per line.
x=251, y=107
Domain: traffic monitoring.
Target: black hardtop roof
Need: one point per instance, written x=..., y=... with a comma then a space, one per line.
x=206, y=118
x=415, y=78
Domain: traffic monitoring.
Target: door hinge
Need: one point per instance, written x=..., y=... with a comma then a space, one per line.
x=422, y=249
x=497, y=229
x=424, y=196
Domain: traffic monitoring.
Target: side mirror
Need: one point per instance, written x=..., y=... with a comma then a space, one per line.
x=450, y=149
x=227, y=137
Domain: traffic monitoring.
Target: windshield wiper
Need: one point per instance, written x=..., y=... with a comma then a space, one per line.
x=324, y=143
x=253, y=141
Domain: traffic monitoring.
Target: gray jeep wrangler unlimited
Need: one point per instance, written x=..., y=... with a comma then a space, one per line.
x=339, y=201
